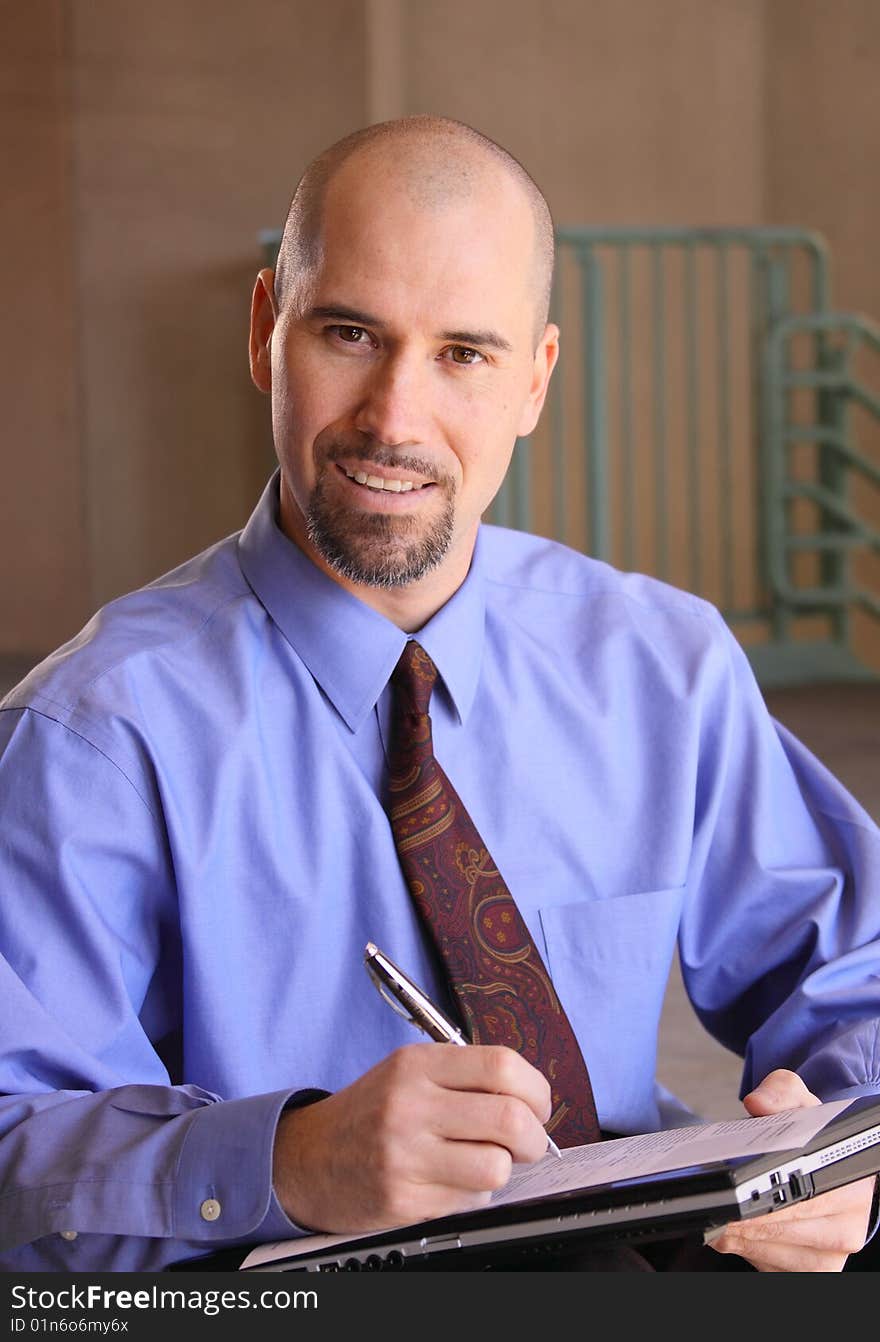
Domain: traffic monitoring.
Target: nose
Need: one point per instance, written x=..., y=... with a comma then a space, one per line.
x=393, y=406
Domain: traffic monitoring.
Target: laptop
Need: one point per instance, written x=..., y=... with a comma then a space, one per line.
x=656, y=1203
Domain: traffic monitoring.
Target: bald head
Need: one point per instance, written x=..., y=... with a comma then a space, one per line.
x=436, y=163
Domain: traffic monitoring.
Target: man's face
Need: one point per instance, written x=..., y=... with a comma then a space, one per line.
x=402, y=376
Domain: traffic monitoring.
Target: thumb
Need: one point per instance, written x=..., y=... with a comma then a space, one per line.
x=780, y=1090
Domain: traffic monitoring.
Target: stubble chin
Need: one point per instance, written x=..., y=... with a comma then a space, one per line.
x=378, y=549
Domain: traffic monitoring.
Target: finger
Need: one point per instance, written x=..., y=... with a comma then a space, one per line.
x=785, y=1241
x=779, y=1090
x=421, y=1098
x=500, y=1120
x=784, y=1257
x=491, y=1068
x=841, y=1233
x=807, y=1247
x=472, y=1169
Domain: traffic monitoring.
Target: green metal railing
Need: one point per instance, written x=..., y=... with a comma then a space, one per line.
x=713, y=422
x=685, y=359
x=825, y=508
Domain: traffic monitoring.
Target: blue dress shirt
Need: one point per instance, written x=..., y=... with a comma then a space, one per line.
x=194, y=853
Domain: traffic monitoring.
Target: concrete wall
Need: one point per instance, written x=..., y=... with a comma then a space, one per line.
x=44, y=555
x=626, y=113
x=147, y=145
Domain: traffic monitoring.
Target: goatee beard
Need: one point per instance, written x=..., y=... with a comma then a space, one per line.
x=376, y=549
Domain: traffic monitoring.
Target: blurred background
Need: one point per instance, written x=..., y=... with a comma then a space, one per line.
x=712, y=170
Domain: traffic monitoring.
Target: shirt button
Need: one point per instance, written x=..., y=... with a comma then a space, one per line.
x=69, y=1234
x=210, y=1209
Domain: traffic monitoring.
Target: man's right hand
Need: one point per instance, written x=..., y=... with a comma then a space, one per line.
x=432, y=1129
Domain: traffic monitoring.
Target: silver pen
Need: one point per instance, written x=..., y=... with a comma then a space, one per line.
x=408, y=1001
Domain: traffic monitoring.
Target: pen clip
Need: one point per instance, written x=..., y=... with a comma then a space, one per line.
x=390, y=999
x=408, y=1000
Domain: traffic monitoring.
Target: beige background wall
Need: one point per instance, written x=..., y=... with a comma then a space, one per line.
x=43, y=552
x=146, y=146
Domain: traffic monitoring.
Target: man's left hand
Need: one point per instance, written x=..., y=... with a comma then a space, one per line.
x=816, y=1235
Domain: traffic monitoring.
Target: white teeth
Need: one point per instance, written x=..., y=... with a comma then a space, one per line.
x=375, y=482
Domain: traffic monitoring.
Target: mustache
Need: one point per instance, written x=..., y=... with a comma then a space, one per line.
x=380, y=454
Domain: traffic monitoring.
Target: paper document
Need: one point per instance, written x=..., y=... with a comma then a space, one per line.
x=621, y=1158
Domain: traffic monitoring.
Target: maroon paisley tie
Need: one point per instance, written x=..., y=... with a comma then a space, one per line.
x=500, y=984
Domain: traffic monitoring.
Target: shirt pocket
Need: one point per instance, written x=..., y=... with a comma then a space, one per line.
x=609, y=960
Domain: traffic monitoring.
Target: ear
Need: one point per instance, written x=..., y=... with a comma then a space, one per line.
x=264, y=314
x=545, y=361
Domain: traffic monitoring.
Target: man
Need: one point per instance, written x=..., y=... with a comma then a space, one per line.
x=196, y=847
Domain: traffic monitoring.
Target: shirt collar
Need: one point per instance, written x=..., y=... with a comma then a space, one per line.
x=348, y=647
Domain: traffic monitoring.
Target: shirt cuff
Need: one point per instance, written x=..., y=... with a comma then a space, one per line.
x=223, y=1183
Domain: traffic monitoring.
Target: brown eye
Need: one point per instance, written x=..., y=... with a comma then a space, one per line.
x=350, y=334
x=464, y=354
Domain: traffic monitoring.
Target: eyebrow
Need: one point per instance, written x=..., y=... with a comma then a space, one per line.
x=337, y=312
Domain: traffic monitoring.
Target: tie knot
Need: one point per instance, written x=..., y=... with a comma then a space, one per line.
x=413, y=678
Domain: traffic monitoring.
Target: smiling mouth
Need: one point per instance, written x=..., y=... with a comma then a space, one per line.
x=389, y=486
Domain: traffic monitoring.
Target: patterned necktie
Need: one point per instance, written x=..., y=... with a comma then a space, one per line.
x=495, y=970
